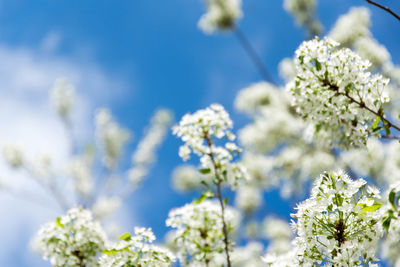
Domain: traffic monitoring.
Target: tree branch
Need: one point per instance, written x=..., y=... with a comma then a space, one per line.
x=221, y=202
x=361, y=104
x=384, y=8
x=251, y=52
x=50, y=187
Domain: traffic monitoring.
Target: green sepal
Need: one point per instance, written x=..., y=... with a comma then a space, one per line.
x=125, y=237
x=204, y=196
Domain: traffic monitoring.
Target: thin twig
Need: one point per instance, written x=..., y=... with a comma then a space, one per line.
x=51, y=188
x=384, y=8
x=390, y=137
x=251, y=52
x=26, y=196
x=362, y=105
x=221, y=202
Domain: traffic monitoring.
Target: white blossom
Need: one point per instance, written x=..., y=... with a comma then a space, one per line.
x=71, y=240
x=295, y=165
x=41, y=168
x=391, y=224
x=304, y=14
x=63, y=97
x=248, y=198
x=136, y=250
x=391, y=170
x=338, y=223
x=221, y=15
x=251, y=229
x=393, y=72
x=145, y=153
x=104, y=206
x=187, y=178
x=253, y=98
x=285, y=260
x=248, y=256
x=198, y=231
x=370, y=49
x=79, y=169
x=333, y=91
x=360, y=159
x=274, y=119
x=287, y=69
x=13, y=156
x=351, y=26
x=258, y=168
x=275, y=228
x=207, y=133
x=279, y=234
x=111, y=137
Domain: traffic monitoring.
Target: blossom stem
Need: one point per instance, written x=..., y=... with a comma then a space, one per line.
x=28, y=197
x=384, y=8
x=77, y=253
x=221, y=202
x=51, y=189
x=251, y=52
x=361, y=104
x=390, y=137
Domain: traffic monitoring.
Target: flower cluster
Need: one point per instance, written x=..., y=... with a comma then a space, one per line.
x=274, y=120
x=13, y=156
x=369, y=48
x=254, y=98
x=248, y=198
x=358, y=20
x=186, y=178
x=104, y=206
x=198, y=231
x=221, y=15
x=339, y=222
x=304, y=14
x=136, y=250
x=145, y=153
x=79, y=169
x=279, y=235
x=111, y=136
x=63, y=97
x=202, y=131
x=285, y=260
x=247, y=256
x=71, y=240
x=334, y=91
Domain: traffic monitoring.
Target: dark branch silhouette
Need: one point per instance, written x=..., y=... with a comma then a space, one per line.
x=251, y=52
x=384, y=8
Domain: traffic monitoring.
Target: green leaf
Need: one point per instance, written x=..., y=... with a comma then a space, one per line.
x=392, y=196
x=204, y=183
x=317, y=64
x=110, y=251
x=126, y=237
x=226, y=200
x=377, y=129
x=205, y=195
x=58, y=222
x=375, y=123
x=372, y=208
x=205, y=171
x=387, y=130
x=386, y=223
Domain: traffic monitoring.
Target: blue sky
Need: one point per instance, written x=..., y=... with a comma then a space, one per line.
x=135, y=56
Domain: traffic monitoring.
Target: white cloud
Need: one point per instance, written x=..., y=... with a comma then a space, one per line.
x=27, y=120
